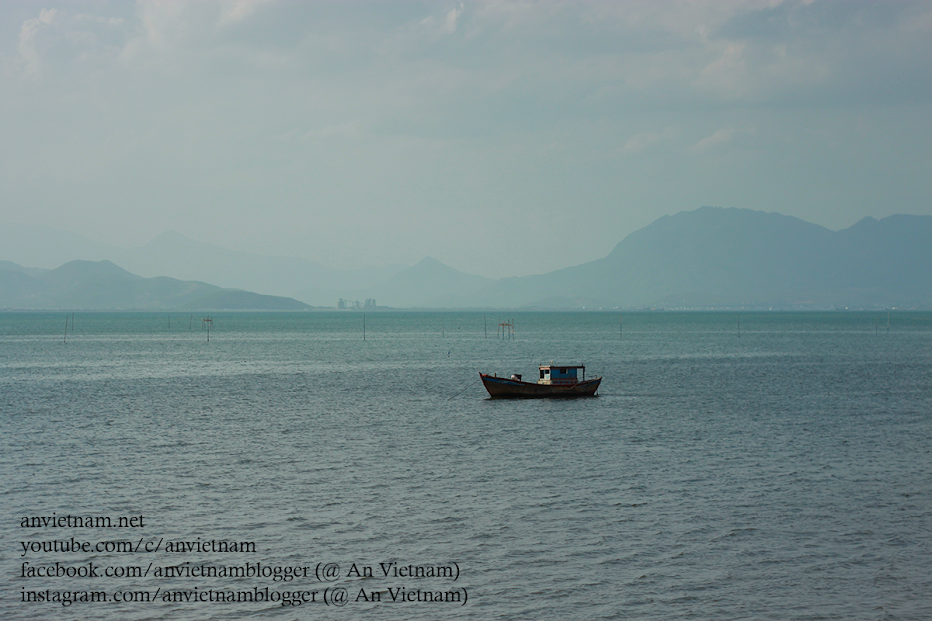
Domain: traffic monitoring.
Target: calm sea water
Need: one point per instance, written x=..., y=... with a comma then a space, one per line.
x=772, y=466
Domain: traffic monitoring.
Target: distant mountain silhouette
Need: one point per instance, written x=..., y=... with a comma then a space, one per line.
x=46, y=247
x=707, y=258
x=171, y=253
x=102, y=285
x=714, y=257
x=427, y=284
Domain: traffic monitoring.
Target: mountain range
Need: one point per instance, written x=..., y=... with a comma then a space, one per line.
x=706, y=258
x=715, y=258
x=102, y=285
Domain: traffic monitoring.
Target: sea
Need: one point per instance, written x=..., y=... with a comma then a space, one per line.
x=349, y=465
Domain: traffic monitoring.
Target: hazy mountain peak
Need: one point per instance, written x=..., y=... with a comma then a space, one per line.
x=46, y=247
x=427, y=283
x=731, y=257
x=893, y=224
x=729, y=225
x=171, y=236
x=10, y=265
x=707, y=257
x=428, y=269
x=82, y=267
x=432, y=265
x=105, y=285
x=173, y=240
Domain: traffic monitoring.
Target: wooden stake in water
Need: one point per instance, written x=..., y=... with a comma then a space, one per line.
x=65, y=338
x=364, y=326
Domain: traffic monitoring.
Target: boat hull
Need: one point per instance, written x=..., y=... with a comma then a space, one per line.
x=504, y=388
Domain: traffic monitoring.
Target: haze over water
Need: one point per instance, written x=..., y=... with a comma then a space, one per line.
x=772, y=466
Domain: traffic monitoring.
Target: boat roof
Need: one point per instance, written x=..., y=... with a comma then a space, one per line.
x=562, y=366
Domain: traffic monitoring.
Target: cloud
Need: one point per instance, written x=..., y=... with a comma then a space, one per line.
x=819, y=52
x=646, y=140
x=486, y=105
x=619, y=53
x=165, y=22
x=726, y=76
x=236, y=11
x=59, y=43
x=449, y=22
x=718, y=137
x=32, y=40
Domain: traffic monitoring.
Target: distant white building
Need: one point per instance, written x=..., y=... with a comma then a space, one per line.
x=355, y=305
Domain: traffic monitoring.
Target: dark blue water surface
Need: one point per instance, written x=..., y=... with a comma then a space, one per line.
x=767, y=466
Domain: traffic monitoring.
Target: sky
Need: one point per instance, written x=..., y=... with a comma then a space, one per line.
x=502, y=138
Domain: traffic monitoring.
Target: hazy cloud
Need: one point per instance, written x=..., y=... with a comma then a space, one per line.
x=323, y=113
x=645, y=140
x=716, y=138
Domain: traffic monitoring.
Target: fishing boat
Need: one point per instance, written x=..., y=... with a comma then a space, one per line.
x=554, y=381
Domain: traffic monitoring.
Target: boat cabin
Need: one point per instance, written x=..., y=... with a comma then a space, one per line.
x=560, y=375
